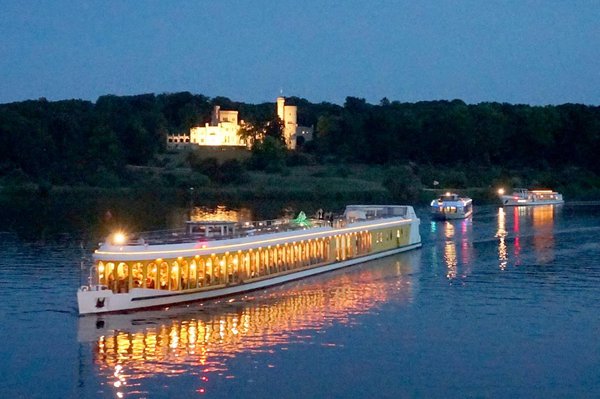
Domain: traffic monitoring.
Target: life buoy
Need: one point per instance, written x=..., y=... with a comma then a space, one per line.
x=84, y=288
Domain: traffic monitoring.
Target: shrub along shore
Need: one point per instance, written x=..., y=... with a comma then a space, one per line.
x=348, y=182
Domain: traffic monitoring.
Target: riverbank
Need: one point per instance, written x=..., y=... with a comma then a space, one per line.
x=339, y=182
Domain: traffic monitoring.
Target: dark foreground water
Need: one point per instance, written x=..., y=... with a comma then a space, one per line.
x=505, y=304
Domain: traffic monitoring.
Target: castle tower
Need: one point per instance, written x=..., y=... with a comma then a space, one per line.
x=280, y=105
x=214, y=120
x=289, y=116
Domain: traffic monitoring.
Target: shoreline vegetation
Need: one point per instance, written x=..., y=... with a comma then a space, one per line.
x=366, y=183
x=360, y=152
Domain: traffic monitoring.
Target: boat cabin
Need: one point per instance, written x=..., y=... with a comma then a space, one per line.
x=211, y=229
x=449, y=197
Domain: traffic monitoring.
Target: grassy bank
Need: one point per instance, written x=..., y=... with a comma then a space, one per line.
x=340, y=182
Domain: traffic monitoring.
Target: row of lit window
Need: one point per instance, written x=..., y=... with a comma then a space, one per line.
x=233, y=268
x=211, y=270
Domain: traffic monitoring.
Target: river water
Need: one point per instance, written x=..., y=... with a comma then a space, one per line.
x=504, y=304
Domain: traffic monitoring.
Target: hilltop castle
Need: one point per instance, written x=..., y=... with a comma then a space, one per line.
x=224, y=126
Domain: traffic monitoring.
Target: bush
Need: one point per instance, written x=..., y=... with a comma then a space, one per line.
x=232, y=172
x=268, y=155
x=402, y=183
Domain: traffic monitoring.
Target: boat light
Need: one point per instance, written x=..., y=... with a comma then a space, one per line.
x=119, y=238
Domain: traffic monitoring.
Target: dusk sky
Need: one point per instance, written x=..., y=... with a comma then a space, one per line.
x=535, y=52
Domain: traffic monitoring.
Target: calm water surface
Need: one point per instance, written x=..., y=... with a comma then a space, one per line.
x=501, y=305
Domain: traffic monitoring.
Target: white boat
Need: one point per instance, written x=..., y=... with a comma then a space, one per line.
x=451, y=206
x=524, y=197
x=215, y=259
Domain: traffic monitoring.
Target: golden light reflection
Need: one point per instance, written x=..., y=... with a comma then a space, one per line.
x=450, y=259
x=543, y=238
x=465, y=248
x=199, y=339
x=457, y=244
x=449, y=230
x=501, y=235
x=221, y=213
x=543, y=215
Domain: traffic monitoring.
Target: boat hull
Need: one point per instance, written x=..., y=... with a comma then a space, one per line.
x=97, y=300
x=510, y=201
x=450, y=216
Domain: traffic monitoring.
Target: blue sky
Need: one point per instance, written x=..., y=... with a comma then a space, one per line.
x=535, y=52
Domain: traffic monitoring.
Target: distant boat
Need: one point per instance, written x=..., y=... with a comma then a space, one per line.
x=525, y=197
x=451, y=206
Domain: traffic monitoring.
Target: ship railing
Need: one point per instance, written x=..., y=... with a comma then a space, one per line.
x=246, y=229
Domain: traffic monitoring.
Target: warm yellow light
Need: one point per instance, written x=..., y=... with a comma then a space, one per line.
x=327, y=233
x=501, y=191
x=101, y=268
x=119, y=238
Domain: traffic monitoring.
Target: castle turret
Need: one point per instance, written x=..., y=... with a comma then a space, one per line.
x=280, y=105
x=214, y=120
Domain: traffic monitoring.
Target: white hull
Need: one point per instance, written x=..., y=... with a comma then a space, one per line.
x=510, y=201
x=451, y=206
x=450, y=216
x=139, y=298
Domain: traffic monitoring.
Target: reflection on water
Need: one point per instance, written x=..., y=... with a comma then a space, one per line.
x=501, y=235
x=536, y=222
x=450, y=259
x=450, y=251
x=199, y=340
x=457, y=242
x=543, y=240
x=220, y=213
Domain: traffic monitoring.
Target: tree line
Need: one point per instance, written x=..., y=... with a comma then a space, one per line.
x=82, y=142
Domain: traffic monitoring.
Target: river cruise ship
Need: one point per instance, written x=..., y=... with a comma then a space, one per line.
x=211, y=259
x=451, y=206
x=524, y=197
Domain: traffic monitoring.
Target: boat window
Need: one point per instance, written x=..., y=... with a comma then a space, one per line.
x=208, y=272
x=193, y=275
x=219, y=271
x=109, y=270
x=122, y=278
x=163, y=277
x=288, y=256
x=175, y=283
x=151, y=275
x=184, y=274
x=253, y=264
x=137, y=275
x=246, y=265
x=271, y=265
x=231, y=272
x=101, y=273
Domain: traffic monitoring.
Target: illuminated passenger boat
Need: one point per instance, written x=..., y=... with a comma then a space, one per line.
x=451, y=206
x=524, y=197
x=214, y=259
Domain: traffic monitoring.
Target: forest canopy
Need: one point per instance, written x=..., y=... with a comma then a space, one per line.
x=81, y=142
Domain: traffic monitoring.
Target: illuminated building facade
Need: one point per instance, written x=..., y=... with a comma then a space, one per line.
x=222, y=131
x=292, y=133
